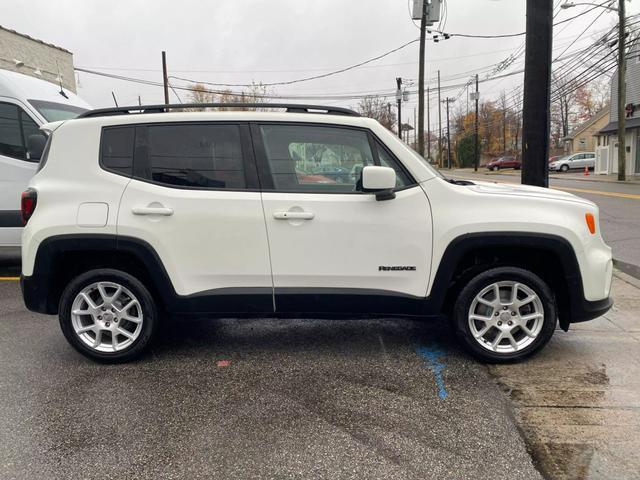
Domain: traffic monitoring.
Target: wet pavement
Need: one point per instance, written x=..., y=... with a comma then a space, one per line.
x=320, y=399
x=578, y=402
x=365, y=399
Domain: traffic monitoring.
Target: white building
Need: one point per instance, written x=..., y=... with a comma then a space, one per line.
x=607, y=140
x=30, y=56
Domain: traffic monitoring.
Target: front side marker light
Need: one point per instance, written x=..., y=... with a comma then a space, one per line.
x=591, y=222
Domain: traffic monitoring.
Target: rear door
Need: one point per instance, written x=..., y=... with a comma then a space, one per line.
x=15, y=169
x=194, y=199
x=577, y=161
x=335, y=249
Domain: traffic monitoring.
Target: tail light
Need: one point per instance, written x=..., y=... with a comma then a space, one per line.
x=28, y=203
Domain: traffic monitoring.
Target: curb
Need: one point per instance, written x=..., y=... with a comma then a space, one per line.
x=628, y=270
x=551, y=177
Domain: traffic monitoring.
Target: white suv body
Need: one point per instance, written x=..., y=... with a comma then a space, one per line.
x=211, y=213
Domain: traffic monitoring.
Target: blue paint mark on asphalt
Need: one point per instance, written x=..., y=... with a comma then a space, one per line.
x=431, y=357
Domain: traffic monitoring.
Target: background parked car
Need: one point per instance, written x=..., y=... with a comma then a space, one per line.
x=575, y=161
x=504, y=162
x=26, y=103
x=334, y=172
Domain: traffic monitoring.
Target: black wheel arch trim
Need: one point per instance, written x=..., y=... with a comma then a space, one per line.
x=576, y=309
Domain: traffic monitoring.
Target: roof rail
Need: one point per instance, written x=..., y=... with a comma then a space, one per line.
x=290, y=107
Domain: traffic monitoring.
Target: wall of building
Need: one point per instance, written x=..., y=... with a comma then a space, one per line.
x=36, y=54
x=586, y=140
x=633, y=158
x=633, y=83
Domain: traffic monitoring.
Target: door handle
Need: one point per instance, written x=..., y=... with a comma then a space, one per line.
x=293, y=215
x=165, y=211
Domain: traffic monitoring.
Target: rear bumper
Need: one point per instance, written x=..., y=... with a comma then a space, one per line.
x=35, y=295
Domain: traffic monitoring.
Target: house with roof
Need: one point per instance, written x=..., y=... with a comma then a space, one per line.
x=584, y=138
x=607, y=140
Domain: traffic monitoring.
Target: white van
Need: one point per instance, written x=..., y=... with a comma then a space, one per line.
x=26, y=103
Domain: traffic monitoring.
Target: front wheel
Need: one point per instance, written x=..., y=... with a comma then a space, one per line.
x=564, y=168
x=505, y=314
x=108, y=315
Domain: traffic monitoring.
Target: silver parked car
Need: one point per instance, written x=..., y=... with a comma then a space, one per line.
x=575, y=161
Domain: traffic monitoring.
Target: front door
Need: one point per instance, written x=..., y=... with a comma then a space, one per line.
x=194, y=198
x=335, y=249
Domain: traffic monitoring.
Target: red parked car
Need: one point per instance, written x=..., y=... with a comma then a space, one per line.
x=504, y=162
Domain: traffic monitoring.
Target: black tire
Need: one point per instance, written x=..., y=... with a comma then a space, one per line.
x=147, y=303
x=564, y=168
x=483, y=280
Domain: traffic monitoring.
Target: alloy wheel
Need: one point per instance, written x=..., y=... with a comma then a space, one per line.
x=506, y=317
x=106, y=316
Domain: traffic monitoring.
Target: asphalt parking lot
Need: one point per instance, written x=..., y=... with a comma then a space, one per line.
x=253, y=399
x=319, y=399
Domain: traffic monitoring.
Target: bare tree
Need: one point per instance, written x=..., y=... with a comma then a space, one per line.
x=200, y=94
x=378, y=109
x=256, y=93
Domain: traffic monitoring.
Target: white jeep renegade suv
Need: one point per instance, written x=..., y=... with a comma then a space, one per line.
x=136, y=216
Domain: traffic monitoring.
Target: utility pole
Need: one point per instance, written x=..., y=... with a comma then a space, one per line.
x=415, y=128
x=537, y=93
x=165, y=78
x=476, y=163
x=622, y=92
x=448, y=101
x=423, y=32
x=440, y=123
x=399, y=100
x=428, y=157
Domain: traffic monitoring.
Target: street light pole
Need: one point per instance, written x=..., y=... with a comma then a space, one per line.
x=399, y=100
x=420, y=127
x=622, y=93
x=622, y=84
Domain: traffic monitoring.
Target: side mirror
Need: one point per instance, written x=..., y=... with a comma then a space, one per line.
x=379, y=180
x=35, y=146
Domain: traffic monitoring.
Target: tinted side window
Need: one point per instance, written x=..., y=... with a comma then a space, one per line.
x=29, y=127
x=195, y=155
x=11, y=139
x=316, y=159
x=116, y=149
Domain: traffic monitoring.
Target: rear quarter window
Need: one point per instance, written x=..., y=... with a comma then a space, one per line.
x=116, y=150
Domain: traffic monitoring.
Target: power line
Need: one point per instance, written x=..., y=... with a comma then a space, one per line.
x=305, y=79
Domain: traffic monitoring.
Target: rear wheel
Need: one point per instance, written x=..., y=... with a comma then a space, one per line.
x=505, y=314
x=108, y=315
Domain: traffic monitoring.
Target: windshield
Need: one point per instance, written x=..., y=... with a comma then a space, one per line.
x=435, y=171
x=53, y=112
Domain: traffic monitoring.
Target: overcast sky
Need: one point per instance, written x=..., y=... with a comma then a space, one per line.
x=239, y=41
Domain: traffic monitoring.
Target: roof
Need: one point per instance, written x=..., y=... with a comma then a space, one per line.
x=25, y=87
x=35, y=39
x=612, y=127
x=583, y=126
x=241, y=116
